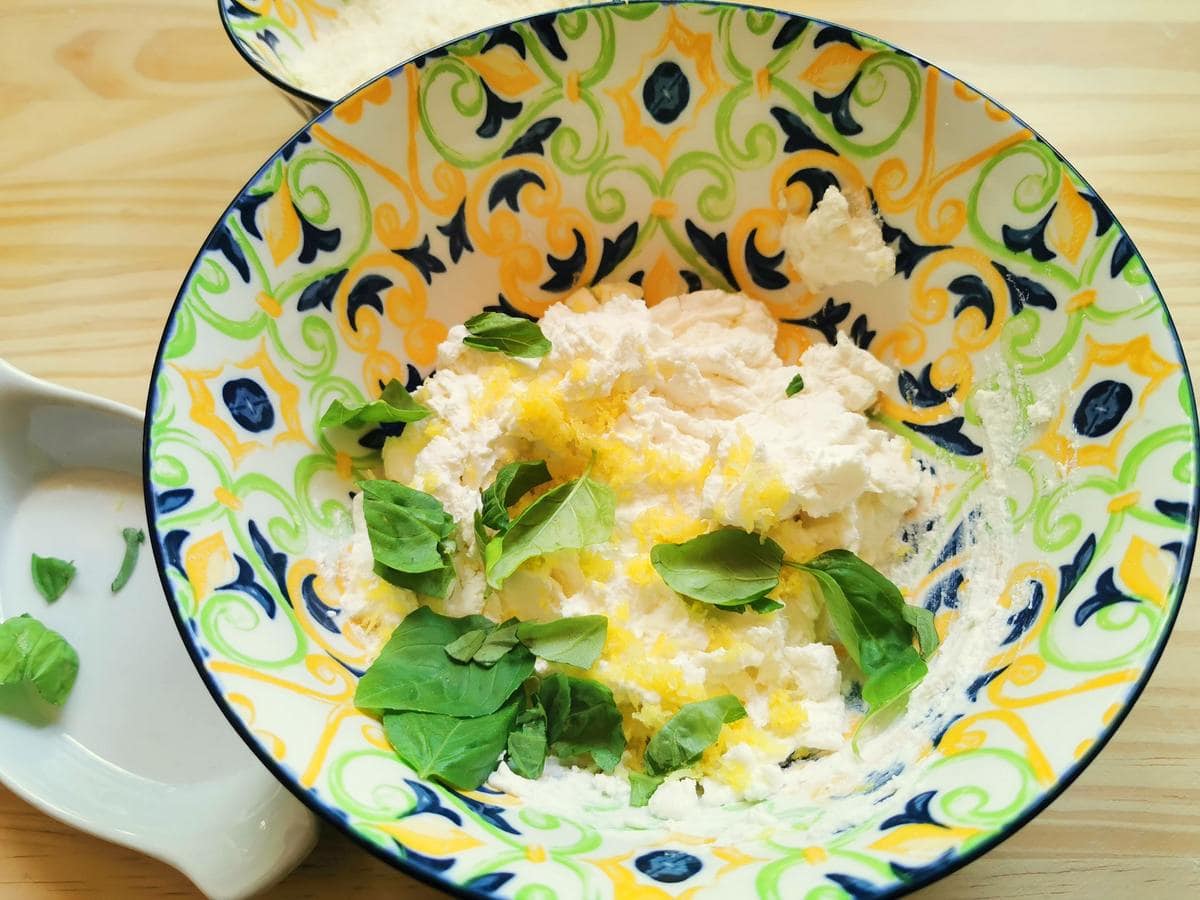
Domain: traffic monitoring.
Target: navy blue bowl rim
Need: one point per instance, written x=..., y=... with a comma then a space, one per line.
x=929, y=874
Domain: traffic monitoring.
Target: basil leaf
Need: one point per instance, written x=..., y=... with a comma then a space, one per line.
x=510, y=335
x=726, y=568
x=921, y=621
x=395, y=404
x=498, y=642
x=457, y=751
x=764, y=605
x=582, y=718
x=893, y=674
x=481, y=535
x=51, y=576
x=575, y=641
x=464, y=647
x=527, y=744
x=512, y=483
x=796, y=385
x=435, y=583
x=406, y=526
x=571, y=516
x=691, y=731
x=642, y=787
x=414, y=673
x=30, y=653
x=134, y=537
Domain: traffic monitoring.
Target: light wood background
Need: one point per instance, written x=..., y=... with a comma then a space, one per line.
x=126, y=126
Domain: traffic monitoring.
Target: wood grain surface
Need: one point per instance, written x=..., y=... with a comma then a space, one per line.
x=126, y=126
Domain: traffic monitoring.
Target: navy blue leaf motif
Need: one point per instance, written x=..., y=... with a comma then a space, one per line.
x=918, y=390
x=666, y=93
x=973, y=292
x=1122, y=254
x=614, y=252
x=949, y=436
x=375, y=438
x=956, y=542
x=1173, y=509
x=1107, y=594
x=248, y=585
x=637, y=277
x=169, y=501
x=983, y=681
x=791, y=30
x=825, y=320
x=1102, y=407
x=290, y=148
x=1175, y=548
x=323, y=615
x=908, y=252
x=509, y=185
x=489, y=883
x=428, y=862
x=878, y=778
x=911, y=873
x=916, y=812
x=248, y=404
x=857, y=888
x=247, y=208
x=818, y=181
x=502, y=305
x=533, y=138
x=438, y=53
x=946, y=726
x=321, y=292
x=833, y=34
x=456, y=233
x=222, y=241
x=713, y=248
x=799, y=135
x=507, y=36
x=1024, y=291
x=668, y=866
x=496, y=112
x=275, y=561
x=429, y=802
x=837, y=108
x=764, y=270
x=173, y=549
x=315, y=239
x=943, y=593
x=861, y=334
x=1071, y=572
x=568, y=269
x=492, y=813
x=1032, y=238
x=1022, y=620
x=268, y=37
x=366, y=293
x=240, y=12
x=543, y=27
x=691, y=279
x=1104, y=218
x=423, y=259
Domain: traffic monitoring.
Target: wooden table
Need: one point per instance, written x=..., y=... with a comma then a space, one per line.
x=127, y=125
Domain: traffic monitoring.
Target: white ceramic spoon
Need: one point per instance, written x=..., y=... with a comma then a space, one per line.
x=139, y=754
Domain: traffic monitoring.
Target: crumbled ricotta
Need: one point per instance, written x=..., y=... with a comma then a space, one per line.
x=684, y=406
x=837, y=243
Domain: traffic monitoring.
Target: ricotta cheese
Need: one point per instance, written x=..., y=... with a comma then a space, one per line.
x=837, y=243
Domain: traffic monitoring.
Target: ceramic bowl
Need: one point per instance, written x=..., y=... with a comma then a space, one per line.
x=656, y=143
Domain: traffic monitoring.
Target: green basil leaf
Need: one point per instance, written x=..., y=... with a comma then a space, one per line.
x=481, y=535
x=51, y=576
x=134, y=537
x=434, y=583
x=922, y=623
x=414, y=673
x=395, y=404
x=691, y=731
x=457, y=751
x=527, y=744
x=510, y=335
x=498, y=642
x=407, y=528
x=764, y=605
x=575, y=641
x=796, y=385
x=727, y=568
x=582, y=718
x=464, y=647
x=30, y=653
x=573, y=515
x=893, y=675
x=642, y=787
x=512, y=483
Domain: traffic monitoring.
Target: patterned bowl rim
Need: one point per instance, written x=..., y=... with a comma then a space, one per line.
x=288, y=87
x=935, y=872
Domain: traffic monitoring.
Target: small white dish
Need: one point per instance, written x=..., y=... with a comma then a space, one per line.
x=139, y=754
